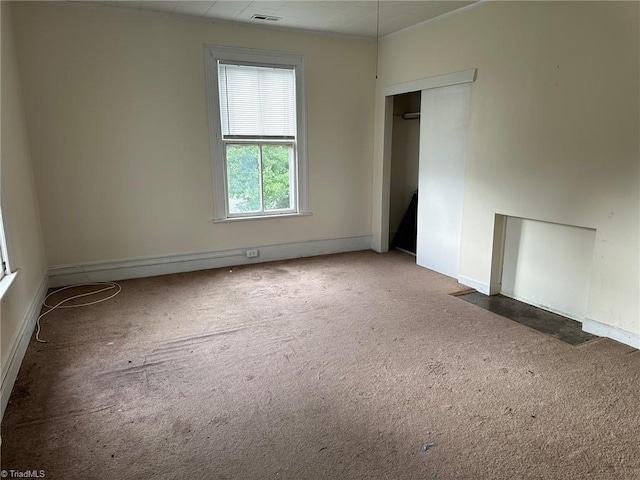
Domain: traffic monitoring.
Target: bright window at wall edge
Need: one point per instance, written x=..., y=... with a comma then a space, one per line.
x=7, y=276
x=257, y=122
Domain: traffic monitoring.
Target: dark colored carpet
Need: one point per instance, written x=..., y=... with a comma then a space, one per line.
x=337, y=367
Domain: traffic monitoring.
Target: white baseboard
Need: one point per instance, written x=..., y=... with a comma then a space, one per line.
x=470, y=282
x=163, y=265
x=20, y=343
x=603, y=330
x=376, y=246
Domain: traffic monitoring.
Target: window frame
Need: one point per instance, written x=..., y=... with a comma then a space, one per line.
x=5, y=268
x=264, y=58
x=7, y=275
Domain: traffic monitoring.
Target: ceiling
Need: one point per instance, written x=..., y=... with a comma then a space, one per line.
x=345, y=17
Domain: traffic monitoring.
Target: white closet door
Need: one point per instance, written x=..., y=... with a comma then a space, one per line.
x=443, y=144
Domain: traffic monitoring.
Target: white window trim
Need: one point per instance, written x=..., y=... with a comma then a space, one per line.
x=213, y=53
x=7, y=277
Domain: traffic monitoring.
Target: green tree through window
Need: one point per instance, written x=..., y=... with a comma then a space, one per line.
x=244, y=172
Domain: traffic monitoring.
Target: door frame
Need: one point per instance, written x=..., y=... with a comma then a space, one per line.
x=448, y=79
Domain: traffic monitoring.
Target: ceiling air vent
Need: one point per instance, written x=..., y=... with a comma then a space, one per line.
x=268, y=18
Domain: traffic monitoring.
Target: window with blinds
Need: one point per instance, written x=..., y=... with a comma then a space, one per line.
x=257, y=120
x=257, y=102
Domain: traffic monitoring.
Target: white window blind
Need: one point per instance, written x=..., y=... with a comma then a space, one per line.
x=257, y=101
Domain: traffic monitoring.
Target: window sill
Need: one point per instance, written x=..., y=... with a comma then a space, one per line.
x=262, y=217
x=6, y=282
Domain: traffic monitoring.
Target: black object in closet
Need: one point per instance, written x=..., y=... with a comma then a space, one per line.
x=405, y=237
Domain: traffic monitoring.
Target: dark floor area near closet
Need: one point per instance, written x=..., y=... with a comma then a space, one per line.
x=557, y=326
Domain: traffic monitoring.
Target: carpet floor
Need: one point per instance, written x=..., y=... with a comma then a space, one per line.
x=335, y=367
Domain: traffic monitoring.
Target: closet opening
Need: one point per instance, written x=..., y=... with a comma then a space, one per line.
x=403, y=191
x=427, y=155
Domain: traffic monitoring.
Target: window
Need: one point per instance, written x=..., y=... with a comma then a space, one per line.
x=257, y=123
x=4, y=268
x=4, y=263
x=6, y=275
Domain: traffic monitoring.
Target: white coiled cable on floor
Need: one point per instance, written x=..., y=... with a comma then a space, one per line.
x=107, y=286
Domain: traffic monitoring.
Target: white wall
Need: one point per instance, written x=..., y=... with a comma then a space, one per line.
x=548, y=265
x=553, y=129
x=116, y=110
x=20, y=210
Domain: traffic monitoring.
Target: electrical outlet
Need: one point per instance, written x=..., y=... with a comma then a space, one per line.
x=252, y=253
